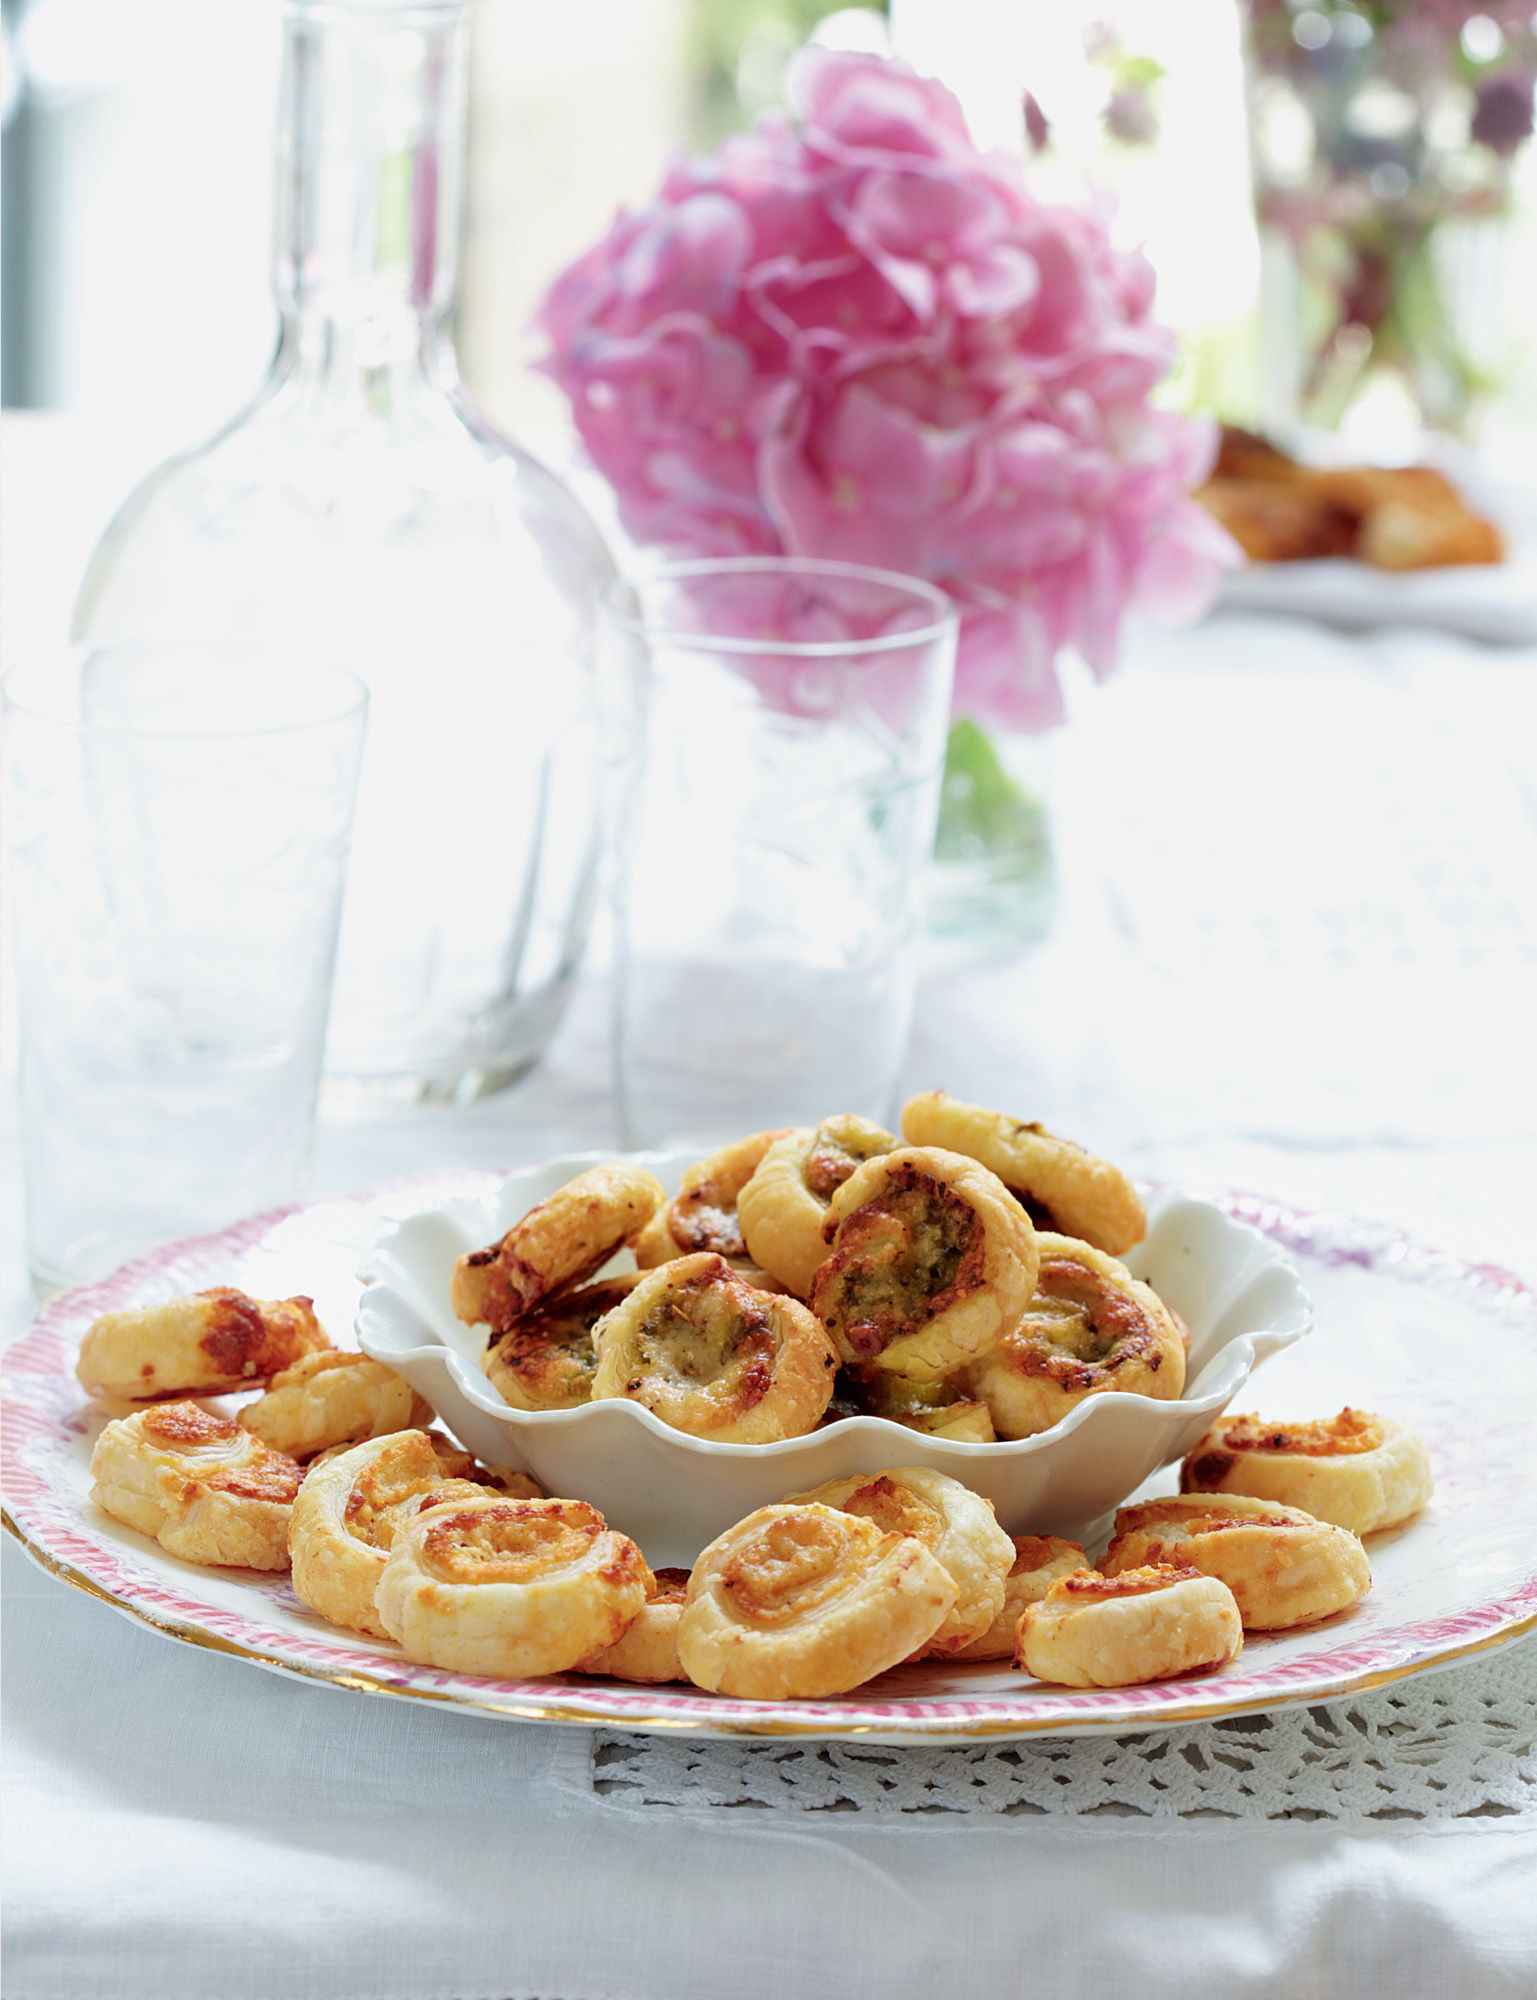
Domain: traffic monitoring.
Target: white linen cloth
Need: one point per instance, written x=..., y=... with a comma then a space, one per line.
x=188, y=1828
x=1298, y=954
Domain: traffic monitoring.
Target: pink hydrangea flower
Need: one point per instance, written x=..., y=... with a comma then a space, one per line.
x=855, y=335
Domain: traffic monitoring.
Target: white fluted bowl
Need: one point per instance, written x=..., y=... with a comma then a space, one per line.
x=1235, y=1289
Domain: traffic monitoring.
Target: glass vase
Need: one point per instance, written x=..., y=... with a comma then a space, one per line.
x=1382, y=178
x=359, y=511
x=992, y=886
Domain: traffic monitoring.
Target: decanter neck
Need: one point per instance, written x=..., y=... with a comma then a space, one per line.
x=369, y=155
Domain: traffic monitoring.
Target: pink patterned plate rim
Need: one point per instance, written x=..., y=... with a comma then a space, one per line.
x=1401, y=1328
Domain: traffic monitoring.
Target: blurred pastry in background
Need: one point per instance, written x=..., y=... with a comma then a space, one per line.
x=1391, y=517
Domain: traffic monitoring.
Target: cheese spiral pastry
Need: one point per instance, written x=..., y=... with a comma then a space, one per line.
x=1089, y=1327
x=1063, y=1188
x=1148, y=1624
x=955, y=1525
x=331, y=1398
x=509, y=1587
x=802, y=1600
x=931, y=1261
x=648, y=1651
x=206, y=1490
x=203, y=1345
x=1360, y=1471
x=1284, y=1567
x=703, y=1214
x=709, y=1355
x=546, y=1359
x=558, y=1243
x=1039, y=1560
x=782, y=1208
x=346, y=1516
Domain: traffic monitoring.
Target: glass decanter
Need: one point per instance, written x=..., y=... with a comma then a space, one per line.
x=359, y=511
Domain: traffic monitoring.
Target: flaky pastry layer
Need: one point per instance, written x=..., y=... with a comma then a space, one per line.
x=802, y=1600
x=1153, y=1624
x=784, y=1205
x=1039, y=1560
x=509, y=1587
x=207, y=1491
x=1284, y=1567
x=1064, y=1189
x=957, y=1526
x=558, y=1243
x=201, y=1345
x=331, y=1398
x=712, y=1356
x=1090, y=1327
x=1360, y=1471
x=932, y=1260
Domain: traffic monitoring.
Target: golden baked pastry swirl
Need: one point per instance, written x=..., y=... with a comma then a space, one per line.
x=330, y=1398
x=708, y=1354
x=206, y=1490
x=1090, y=1327
x=558, y=1243
x=1063, y=1188
x=347, y=1514
x=547, y=1358
x=1039, y=1560
x=648, y=1651
x=1360, y=1471
x=782, y=1208
x=1284, y=1567
x=703, y=1214
x=1148, y=1624
x=954, y=1524
x=802, y=1600
x=931, y=1261
x=202, y=1345
x=510, y=1587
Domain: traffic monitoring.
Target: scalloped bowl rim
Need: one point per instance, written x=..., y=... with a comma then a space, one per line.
x=405, y=1292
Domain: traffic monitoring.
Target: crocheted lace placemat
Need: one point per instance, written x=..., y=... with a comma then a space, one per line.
x=1455, y=1745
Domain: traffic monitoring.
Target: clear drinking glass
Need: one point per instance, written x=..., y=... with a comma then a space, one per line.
x=774, y=739
x=178, y=828
x=362, y=508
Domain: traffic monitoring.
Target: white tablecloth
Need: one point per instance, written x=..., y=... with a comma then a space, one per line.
x=1297, y=954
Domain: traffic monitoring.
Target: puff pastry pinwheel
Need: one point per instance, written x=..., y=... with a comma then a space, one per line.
x=203, y=1345
x=802, y=1600
x=1039, y=1560
x=347, y=1514
x=1090, y=1327
x=931, y=1261
x=782, y=1208
x=1147, y=1624
x=1360, y=1471
x=206, y=1490
x=1064, y=1189
x=510, y=1587
x=938, y=1409
x=955, y=1525
x=547, y=1358
x=559, y=1243
x=701, y=1349
x=330, y=1398
x=703, y=1215
x=648, y=1651
x=1284, y=1567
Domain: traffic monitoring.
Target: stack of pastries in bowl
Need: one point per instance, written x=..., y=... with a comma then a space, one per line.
x=963, y=1279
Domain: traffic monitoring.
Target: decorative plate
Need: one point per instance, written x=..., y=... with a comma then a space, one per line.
x=1236, y=1290
x=1448, y=1347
